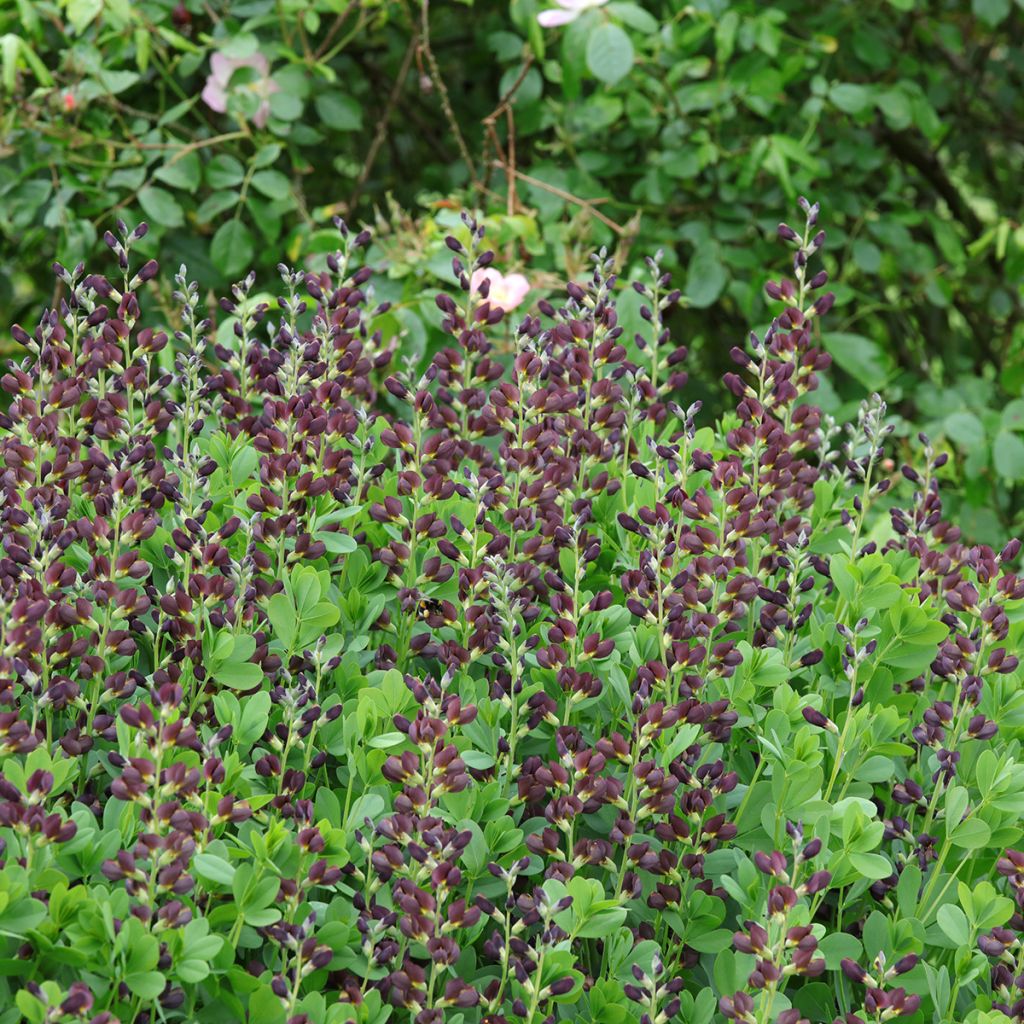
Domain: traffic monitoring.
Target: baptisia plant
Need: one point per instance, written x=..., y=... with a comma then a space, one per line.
x=500, y=687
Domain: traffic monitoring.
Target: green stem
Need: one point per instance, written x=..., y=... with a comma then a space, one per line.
x=748, y=794
x=843, y=736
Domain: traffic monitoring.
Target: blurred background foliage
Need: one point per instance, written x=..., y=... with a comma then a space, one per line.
x=238, y=128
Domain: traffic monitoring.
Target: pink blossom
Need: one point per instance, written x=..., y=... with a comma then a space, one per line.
x=215, y=93
x=567, y=10
x=506, y=291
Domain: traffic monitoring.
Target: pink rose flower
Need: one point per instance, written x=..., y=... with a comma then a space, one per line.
x=505, y=291
x=215, y=93
x=567, y=11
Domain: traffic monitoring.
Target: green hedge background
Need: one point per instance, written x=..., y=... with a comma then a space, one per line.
x=239, y=129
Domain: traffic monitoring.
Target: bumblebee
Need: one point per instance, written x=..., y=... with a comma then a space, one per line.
x=430, y=606
x=435, y=612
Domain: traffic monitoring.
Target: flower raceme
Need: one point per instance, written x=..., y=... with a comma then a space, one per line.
x=505, y=688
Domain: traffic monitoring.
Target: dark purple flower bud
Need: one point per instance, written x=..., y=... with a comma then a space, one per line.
x=562, y=986
x=825, y=303
x=814, y=717
x=853, y=970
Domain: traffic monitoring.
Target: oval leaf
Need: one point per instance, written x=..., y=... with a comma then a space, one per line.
x=609, y=53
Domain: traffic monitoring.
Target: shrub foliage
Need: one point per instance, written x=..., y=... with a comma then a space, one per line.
x=238, y=129
x=502, y=693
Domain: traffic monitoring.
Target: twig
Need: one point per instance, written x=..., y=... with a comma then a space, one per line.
x=188, y=147
x=905, y=146
x=512, y=90
x=183, y=151
x=411, y=105
x=442, y=89
x=511, y=160
x=586, y=204
x=382, y=126
x=489, y=122
x=333, y=30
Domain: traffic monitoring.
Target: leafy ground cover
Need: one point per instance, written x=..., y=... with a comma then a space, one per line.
x=335, y=692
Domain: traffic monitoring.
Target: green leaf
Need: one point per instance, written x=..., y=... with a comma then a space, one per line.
x=191, y=970
x=965, y=430
x=244, y=647
x=706, y=277
x=143, y=44
x=995, y=912
x=20, y=916
x=871, y=865
x=895, y=105
x=223, y=171
x=160, y=207
x=369, y=805
x=907, y=889
x=867, y=256
x=182, y=172
x=1012, y=417
x=239, y=675
x=81, y=13
x=910, y=660
x=971, y=834
x=282, y=618
x=272, y=184
x=318, y=622
x=992, y=12
x=240, y=45
x=875, y=769
x=232, y=248
x=200, y=944
x=387, y=740
x=215, y=204
x=10, y=46
x=850, y=98
x=478, y=759
x=265, y=1007
x=255, y=714
x=304, y=589
x=212, y=868
x=243, y=464
x=286, y=106
x=266, y=155
x=115, y=82
x=956, y=802
x=609, y=53
x=1008, y=455
x=179, y=110
x=986, y=769
x=33, y=1009
x=634, y=16
x=710, y=941
x=337, y=543
x=146, y=984
x=339, y=111
x=863, y=359
x=953, y=922
x=838, y=946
